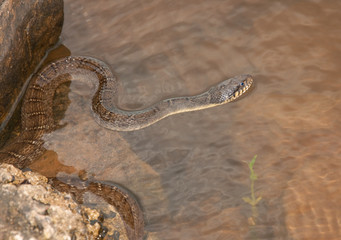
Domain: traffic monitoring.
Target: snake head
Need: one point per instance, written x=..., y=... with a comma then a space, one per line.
x=230, y=89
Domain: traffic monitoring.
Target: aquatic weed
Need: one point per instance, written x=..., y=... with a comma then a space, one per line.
x=253, y=201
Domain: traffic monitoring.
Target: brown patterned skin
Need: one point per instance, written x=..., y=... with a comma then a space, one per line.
x=37, y=120
x=113, y=194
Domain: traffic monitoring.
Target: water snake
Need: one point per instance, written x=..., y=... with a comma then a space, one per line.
x=37, y=118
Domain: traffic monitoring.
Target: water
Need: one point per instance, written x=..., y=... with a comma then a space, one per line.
x=189, y=170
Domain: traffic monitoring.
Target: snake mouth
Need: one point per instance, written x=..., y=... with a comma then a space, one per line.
x=245, y=85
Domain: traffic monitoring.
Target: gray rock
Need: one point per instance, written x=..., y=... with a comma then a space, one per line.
x=31, y=209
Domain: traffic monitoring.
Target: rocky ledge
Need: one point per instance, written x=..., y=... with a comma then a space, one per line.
x=31, y=209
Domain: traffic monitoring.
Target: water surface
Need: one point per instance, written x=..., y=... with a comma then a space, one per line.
x=189, y=171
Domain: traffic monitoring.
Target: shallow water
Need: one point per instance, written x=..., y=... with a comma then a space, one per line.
x=189, y=171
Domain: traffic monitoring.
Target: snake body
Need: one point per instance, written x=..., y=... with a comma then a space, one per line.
x=37, y=118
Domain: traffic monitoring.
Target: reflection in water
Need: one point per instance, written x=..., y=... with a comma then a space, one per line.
x=188, y=170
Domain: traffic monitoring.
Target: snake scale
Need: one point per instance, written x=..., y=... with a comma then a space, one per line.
x=37, y=120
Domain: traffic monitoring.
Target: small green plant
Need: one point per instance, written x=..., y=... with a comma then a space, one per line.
x=253, y=201
x=253, y=177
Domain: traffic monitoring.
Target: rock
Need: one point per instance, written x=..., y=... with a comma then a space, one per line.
x=31, y=209
x=27, y=30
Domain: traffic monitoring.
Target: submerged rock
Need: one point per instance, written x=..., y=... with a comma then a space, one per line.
x=27, y=30
x=31, y=209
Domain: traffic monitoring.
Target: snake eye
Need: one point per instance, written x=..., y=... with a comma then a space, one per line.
x=241, y=84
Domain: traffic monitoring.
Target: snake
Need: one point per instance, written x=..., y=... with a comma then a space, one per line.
x=37, y=119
